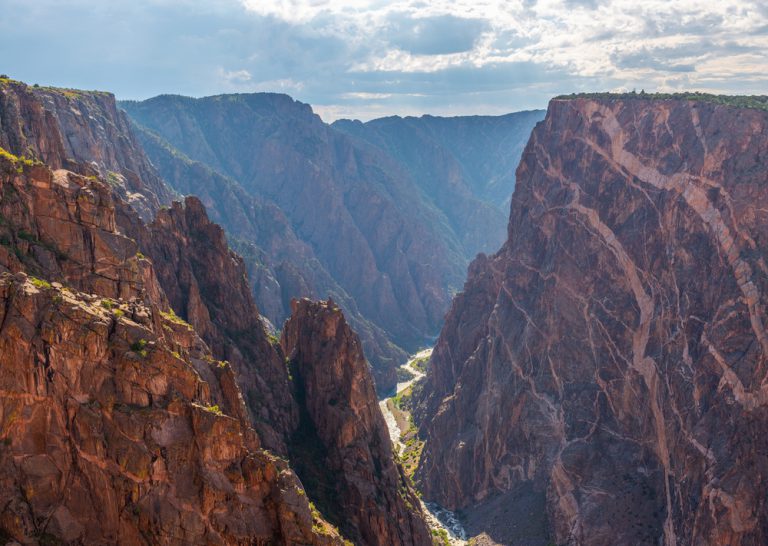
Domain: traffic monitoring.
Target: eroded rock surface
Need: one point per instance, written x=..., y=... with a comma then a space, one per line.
x=613, y=354
x=117, y=423
x=82, y=131
x=348, y=466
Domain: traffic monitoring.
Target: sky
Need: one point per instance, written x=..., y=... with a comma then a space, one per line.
x=370, y=58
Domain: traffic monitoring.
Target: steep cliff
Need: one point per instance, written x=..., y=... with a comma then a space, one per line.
x=206, y=285
x=608, y=364
x=346, y=461
x=143, y=400
x=82, y=131
x=117, y=423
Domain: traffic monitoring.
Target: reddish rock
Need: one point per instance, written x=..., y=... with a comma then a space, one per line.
x=612, y=355
x=81, y=131
x=110, y=435
x=206, y=285
x=346, y=463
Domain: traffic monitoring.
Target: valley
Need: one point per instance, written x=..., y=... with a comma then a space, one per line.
x=395, y=409
x=599, y=379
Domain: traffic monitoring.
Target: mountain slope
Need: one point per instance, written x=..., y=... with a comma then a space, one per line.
x=608, y=366
x=83, y=131
x=349, y=203
x=280, y=266
x=464, y=166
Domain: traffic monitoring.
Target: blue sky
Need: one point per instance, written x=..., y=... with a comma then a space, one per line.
x=369, y=58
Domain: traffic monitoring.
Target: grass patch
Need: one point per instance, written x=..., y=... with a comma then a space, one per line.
x=18, y=162
x=40, y=283
x=171, y=316
x=212, y=409
x=440, y=537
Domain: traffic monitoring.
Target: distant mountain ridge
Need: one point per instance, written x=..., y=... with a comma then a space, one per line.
x=388, y=237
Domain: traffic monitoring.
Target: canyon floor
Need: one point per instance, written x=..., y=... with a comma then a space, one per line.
x=445, y=525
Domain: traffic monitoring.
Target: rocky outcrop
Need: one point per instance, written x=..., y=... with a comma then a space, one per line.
x=62, y=226
x=612, y=357
x=206, y=285
x=82, y=131
x=111, y=435
x=117, y=423
x=347, y=462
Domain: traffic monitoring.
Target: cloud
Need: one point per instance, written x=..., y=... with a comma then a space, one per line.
x=436, y=35
x=374, y=57
x=236, y=76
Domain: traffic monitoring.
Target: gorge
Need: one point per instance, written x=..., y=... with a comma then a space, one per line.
x=167, y=370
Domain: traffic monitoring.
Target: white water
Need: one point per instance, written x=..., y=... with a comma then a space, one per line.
x=437, y=517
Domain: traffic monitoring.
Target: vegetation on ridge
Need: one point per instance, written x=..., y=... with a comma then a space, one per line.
x=755, y=102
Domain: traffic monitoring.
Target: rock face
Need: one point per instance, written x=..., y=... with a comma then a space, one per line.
x=82, y=131
x=142, y=399
x=352, y=474
x=348, y=201
x=611, y=358
x=206, y=284
x=95, y=429
x=113, y=410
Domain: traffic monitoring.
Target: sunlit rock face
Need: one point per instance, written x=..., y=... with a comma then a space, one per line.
x=118, y=424
x=83, y=131
x=611, y=357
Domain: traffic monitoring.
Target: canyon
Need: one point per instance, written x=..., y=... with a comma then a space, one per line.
x=200, y=298
x=383, y=217
x=140, y=387
x=605, y=371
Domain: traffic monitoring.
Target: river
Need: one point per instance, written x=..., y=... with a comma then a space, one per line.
x=438, y=518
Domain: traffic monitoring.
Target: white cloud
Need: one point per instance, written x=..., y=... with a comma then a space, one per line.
x=235, y=77
x=588, y=38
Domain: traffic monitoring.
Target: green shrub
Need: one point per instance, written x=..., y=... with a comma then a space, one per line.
x=140, y=347
x=40, y=283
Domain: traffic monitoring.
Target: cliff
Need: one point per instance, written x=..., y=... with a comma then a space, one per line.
x=82, y=131
x=351, y=472
x=143, y=400
x=392, y=252
x=280, y=265
x=116, y=421
x=608, y=364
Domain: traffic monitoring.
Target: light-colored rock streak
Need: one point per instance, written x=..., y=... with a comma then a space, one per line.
x=641, y=363
x=696, y=198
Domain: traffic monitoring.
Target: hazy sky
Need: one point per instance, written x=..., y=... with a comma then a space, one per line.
x=368, y=58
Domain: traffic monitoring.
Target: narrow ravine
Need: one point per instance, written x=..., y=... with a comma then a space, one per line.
x=443, y=522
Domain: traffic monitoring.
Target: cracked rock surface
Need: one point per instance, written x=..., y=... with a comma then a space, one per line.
x=612, y=355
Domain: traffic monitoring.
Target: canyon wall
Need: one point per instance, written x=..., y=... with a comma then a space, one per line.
x=143, y=400
x=608, y=364
x=348, y=464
